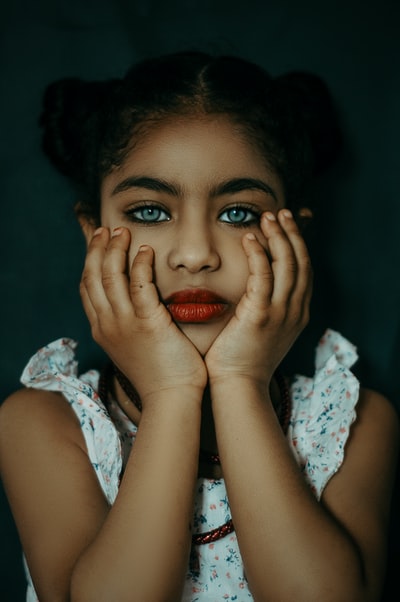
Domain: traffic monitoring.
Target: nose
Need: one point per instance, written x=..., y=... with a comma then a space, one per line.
x=194, y=248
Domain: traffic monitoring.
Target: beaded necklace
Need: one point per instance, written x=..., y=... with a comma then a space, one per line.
x=282, y=411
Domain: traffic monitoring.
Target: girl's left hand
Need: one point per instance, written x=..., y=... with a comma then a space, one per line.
x=274, y=308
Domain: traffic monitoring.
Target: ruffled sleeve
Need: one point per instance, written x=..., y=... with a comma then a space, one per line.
x=323, y=410
x=54, y=368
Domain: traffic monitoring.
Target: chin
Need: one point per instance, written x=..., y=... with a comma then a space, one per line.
x=201, y=335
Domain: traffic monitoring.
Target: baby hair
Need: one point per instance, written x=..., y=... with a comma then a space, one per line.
x=90, y=127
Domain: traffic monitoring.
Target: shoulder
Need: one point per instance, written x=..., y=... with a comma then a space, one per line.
x=375, y=433
x=50, y=484
x=376, y=414
x=372, y=452
x=34, y=415
x=33, y=404
x=359, y=495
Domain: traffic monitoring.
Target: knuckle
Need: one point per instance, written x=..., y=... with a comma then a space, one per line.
x=267, y=277
x=86, y=281
x=291, y=265
x=108, y=280
x=96, y=332
x=136, y=286
x=307, y=265
x=103, y=332
x=300, y=317
x=279, y=316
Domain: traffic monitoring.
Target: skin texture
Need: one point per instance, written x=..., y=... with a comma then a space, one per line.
x=205, y=384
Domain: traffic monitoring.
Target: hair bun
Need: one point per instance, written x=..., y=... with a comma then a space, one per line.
x=70, y=120
x=310, y=109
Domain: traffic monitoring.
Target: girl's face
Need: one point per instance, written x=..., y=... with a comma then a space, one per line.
x=191, y=189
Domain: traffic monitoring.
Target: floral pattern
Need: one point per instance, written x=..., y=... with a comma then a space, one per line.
x=323, y=409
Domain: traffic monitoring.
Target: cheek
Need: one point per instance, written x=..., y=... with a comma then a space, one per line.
x=160, y=262
x=263, y=242
x=236, y=269
x=139, y=237
x=240, y=277
x=261, y=239
x=133, y=249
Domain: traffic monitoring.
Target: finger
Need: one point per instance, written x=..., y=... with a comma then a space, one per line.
x=283, y=259
x=260, y=282
x=143, y=292
x=114, y=272
x=88, y=305
x=91, y=287
x=303, y=285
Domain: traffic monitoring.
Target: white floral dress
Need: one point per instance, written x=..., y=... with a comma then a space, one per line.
x=323, y=409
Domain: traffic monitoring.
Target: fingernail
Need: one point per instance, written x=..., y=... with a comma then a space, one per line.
x=287, y=213
x=143, y=248
x=98, y=231
x=117, y=231
x=250, y=236
x=270, y=216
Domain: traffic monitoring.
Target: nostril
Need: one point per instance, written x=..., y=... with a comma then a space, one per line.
x=194, y=257
x=194, y=267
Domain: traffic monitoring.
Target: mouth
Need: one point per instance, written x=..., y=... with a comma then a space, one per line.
x=195, y=306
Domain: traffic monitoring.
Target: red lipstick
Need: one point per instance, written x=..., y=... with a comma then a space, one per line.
x=195, y=306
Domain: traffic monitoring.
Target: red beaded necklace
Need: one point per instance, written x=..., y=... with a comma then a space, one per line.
x=283, y=412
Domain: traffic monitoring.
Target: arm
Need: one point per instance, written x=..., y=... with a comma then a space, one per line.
x=148, y=529
x=142, y=550
x=77, y=547
x=292, y=546
x=67, y=529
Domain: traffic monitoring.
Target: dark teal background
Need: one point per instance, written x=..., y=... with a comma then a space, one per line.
x=355, y=238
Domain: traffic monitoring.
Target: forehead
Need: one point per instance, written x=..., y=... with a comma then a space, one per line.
x=195, y=152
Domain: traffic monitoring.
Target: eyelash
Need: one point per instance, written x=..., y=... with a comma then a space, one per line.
x=132, y=214
x=250, y=211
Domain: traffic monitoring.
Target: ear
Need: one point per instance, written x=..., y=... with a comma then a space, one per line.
x=88, y=225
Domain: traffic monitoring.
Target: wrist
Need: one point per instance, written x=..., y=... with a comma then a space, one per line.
x=239, y=385
x=175, y=396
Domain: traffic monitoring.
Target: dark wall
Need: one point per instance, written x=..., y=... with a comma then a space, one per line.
x=353, y=45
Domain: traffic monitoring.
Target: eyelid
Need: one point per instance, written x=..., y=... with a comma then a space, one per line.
x=130, y=212
x=145, y=203
x=247, y=206
x=256, y=211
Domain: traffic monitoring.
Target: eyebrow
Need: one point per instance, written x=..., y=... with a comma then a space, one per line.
x=228, y=187
x=155, y=184
x=240, y=184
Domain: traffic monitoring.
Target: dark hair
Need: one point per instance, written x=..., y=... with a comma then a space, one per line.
x=88, y=127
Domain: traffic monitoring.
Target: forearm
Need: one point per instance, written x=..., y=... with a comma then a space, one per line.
x=291, y=547
x=141, y=552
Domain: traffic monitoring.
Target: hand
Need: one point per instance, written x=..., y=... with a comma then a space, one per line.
x=273, y=310
x=131, y=324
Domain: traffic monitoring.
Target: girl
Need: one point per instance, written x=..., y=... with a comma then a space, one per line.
x=189, y=469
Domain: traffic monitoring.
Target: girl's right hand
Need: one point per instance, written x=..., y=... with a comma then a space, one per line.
x=131, y=324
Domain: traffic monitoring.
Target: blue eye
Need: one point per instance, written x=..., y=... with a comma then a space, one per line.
x=148, y=214
x=239, y=216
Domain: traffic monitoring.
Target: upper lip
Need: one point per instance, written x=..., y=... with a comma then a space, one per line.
x=194, y=295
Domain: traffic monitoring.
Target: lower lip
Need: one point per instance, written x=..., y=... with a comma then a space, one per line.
x=196, y=312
